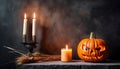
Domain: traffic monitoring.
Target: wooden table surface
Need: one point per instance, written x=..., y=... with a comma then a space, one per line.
x=75, y=64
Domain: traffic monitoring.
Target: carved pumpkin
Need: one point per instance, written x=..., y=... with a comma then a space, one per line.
x=92, y=49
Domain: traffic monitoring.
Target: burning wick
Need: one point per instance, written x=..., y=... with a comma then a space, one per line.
x=66, y=54
x=66, y=47
x=25, y=16
x=34, y=16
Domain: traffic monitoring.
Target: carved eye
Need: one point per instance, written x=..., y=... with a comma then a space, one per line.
x=86, y=48
x=97, y=48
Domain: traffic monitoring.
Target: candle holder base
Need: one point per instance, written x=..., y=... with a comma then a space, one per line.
x=30, y=46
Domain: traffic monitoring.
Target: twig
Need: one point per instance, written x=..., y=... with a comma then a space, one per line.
x=14, y=50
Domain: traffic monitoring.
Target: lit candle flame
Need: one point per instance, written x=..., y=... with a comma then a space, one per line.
x=34, y=16
x=25, y=16
x=66, y=47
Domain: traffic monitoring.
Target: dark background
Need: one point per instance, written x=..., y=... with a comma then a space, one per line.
x=59, y=22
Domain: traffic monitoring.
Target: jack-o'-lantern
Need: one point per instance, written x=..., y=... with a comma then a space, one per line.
x=92, y=49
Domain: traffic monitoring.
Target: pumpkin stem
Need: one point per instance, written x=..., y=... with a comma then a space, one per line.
x=91, y=35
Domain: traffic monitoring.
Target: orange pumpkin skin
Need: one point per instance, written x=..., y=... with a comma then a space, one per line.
x=93, y=50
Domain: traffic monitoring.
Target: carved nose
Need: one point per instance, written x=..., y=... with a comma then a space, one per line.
x=91, y=51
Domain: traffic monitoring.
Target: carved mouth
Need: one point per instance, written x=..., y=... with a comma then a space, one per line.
x=89, y=57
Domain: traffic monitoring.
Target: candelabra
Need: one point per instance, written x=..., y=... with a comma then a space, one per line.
x=29, y=41
x=29, y=33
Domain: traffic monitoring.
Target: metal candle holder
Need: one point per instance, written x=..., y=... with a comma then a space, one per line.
x=29, y=40
x=30, y=46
